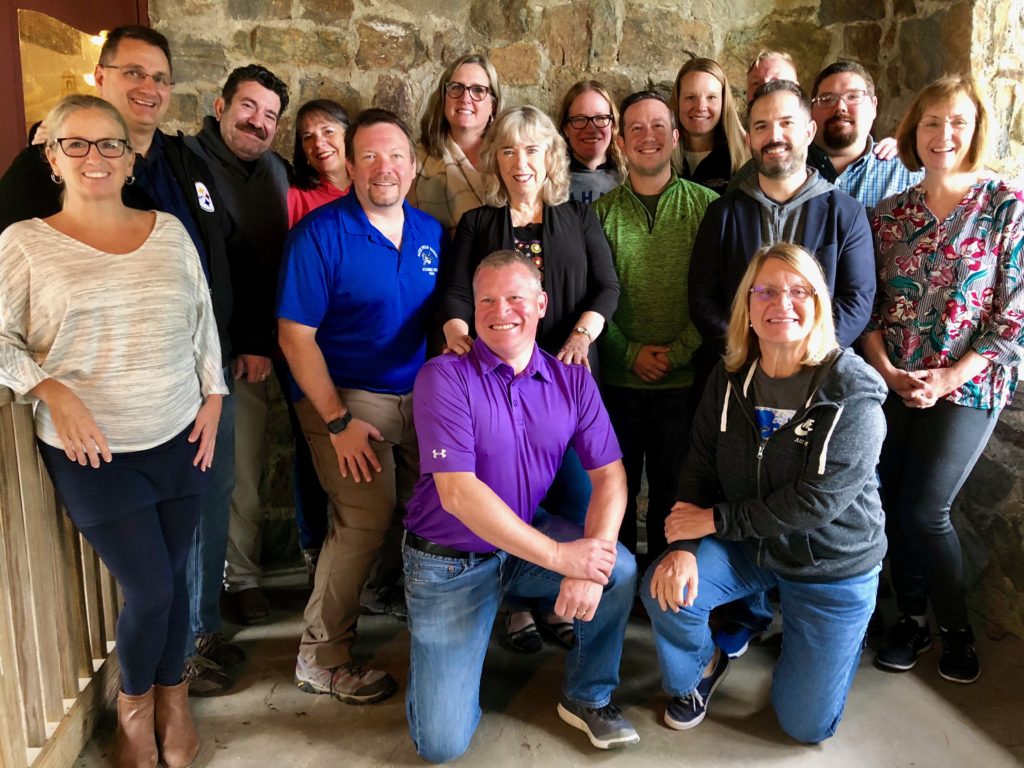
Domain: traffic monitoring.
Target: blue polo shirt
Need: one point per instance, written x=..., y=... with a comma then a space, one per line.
x=473, y=414
x=370, y=302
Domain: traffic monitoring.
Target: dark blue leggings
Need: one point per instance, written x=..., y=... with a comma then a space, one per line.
x=146, y=550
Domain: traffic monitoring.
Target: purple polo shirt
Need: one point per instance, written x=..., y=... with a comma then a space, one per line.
x=473, y=414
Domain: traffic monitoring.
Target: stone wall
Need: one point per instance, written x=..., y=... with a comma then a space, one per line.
x=365, y=52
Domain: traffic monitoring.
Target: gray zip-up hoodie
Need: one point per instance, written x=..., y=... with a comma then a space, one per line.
x=784, y=222
x=805, y=501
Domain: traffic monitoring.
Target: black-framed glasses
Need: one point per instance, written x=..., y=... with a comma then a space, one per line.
x=852, y=98
x=138, y=76
x=476, y=92
x=769, y=293
x=579, y=122
x=75, y=147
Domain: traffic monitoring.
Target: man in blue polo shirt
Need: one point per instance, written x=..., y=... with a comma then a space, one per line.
x=493, y=427
x=354, y=305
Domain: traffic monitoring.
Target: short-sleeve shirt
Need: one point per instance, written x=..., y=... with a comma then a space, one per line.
x=370, y=302
x=473, y=414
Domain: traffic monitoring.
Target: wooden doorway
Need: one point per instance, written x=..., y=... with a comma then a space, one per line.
x=86, y=17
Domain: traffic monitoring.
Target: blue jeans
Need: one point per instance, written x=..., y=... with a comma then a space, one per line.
x=452, y=604
x=823, y=629
x=205, y=567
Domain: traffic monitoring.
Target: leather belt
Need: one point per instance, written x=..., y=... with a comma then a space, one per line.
x=425, y=545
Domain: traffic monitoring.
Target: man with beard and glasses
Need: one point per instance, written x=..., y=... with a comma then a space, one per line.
x=844, y=106
x=253, y=182
x=355, y=301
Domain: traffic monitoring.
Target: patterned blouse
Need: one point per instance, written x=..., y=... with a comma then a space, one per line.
x=948, y=287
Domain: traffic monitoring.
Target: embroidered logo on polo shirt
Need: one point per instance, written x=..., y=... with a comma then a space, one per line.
x=203, y=196
x=429, y=258
x=442, y=454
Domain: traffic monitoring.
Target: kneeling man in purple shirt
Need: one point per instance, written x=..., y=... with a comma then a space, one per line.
x=493, y=426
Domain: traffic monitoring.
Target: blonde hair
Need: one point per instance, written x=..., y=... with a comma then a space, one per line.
x=943, y=90
x=434, y=126
x=729, y=130
x=517, y=125
x=764, y=53
x=77, y=102
x=582, y=86
x=741, y=343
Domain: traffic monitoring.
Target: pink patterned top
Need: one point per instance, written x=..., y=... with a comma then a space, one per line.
x=948, y=287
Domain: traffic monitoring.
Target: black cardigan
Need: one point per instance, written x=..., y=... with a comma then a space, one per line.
x=579, y=274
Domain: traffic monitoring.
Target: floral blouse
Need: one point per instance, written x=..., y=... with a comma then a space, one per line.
x=948, y=287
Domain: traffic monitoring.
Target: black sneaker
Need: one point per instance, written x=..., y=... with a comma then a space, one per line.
x=959, y=661
x=906, y=642
x=605, y=727
x=685, y=712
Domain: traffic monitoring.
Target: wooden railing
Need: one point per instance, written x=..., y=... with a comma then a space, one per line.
x=58, y=610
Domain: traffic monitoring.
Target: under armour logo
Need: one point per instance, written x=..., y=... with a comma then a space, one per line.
x=442, y=454
x=803, y=430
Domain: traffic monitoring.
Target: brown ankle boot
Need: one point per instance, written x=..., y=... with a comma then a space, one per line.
x=136, y=745
x=175, y=732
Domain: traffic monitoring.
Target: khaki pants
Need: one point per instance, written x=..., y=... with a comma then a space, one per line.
x=361, y=512
x=245, y=525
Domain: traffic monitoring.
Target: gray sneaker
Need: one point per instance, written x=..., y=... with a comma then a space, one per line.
x=349, y=683
x=605, y=727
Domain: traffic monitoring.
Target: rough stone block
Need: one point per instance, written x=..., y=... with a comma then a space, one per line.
x=335, y=13
x=517, y=64
x=324, y=48
x=948, y=48
x=807, y=42
x=903, y=8
x=861, y=42
x=500, y=19
x=565, y=35
x=843, y=11
x=327, y=87
x=604, y=32
x=260, y=9
x=656, y=39
x=392, y=92
x=197, y=60
x=387, y=44
x=184, y=109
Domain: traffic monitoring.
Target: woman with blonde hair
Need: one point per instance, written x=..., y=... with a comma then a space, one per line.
x=106, y=326
x=526, y=185
x=452, y=130
x=588, y=122
x=712, y=142
x=778, y=491
x=947, y=336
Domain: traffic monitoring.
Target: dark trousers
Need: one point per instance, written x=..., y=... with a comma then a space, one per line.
x=653, y=426
x=926, y=458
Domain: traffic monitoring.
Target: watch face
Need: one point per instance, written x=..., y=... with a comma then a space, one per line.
x=337, y=426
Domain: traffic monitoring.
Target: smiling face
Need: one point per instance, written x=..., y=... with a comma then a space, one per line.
x=248, y=123
x=766, y=70
x=382, y=166
x=700, y=104
x=648, y=137
x=508, y=306
x=844, y=125
x=523, y=170
x=323, y=143
x=141, y=104
x=944, y=134
x=464, y=113
x=781, y=322
x=589, y=144
x=780, y=132
x=92, y=177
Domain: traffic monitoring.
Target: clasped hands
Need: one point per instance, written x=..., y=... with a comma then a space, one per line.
x=586, y=565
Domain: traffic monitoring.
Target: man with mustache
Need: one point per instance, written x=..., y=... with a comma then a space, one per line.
x=844, y=106
x=355, y=302
x=253, y=183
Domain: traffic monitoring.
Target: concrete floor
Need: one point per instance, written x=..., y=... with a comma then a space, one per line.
x=914, y=719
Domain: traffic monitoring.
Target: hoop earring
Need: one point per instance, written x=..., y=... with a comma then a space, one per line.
x=129, y=181
x=58, y=180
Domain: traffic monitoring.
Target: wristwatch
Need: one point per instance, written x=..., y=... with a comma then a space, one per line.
x=582, y=329
x=340, y=424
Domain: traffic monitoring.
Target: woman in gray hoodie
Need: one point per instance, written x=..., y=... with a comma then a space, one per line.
x=778, y=491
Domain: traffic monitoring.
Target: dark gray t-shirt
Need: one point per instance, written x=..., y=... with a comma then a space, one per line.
x=776, y=401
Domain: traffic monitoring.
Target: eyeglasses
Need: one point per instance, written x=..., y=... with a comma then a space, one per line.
x=852, y=98
x=769, y=293
x=110, y=148
x=579, y=122
x=138, y=76
x=934, y=124
x=476, y=92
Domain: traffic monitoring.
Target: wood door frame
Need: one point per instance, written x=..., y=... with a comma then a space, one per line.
x=87, y=16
